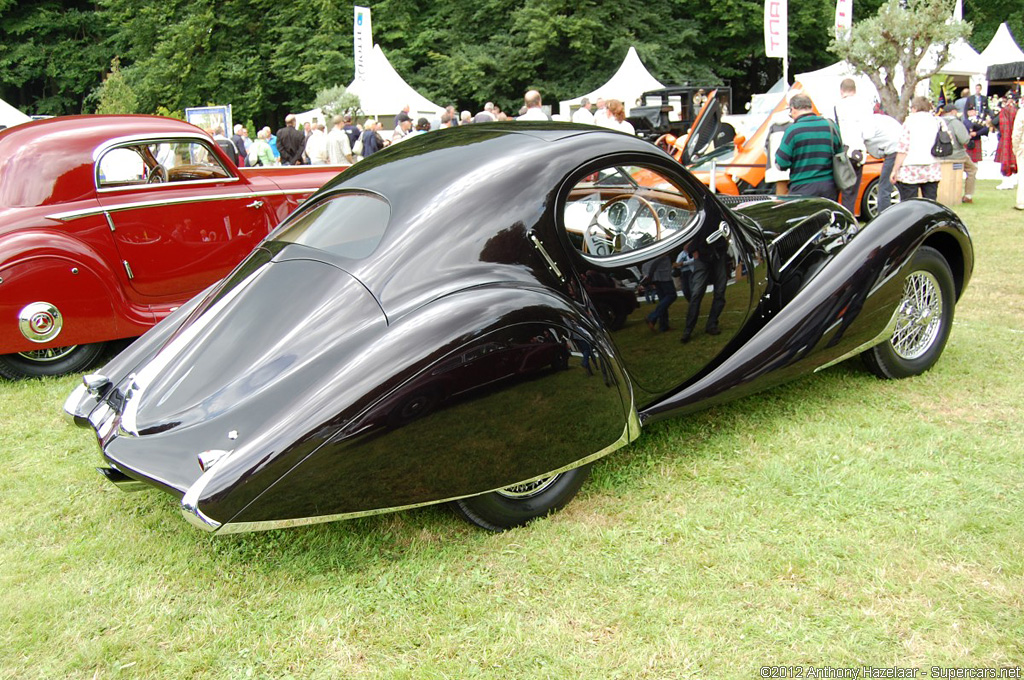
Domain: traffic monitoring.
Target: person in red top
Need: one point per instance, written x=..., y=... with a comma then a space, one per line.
x=1004, y=153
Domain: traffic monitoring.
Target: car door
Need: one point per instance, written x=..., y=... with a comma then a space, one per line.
x=180, y=216
x=621, y=219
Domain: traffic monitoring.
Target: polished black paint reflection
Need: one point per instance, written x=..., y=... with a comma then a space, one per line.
x=466, y=351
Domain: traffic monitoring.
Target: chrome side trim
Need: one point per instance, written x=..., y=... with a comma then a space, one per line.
x=886, y=334
x=630, y=432
x=155, y=203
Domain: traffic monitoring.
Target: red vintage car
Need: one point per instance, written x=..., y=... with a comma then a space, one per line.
x=109, y=223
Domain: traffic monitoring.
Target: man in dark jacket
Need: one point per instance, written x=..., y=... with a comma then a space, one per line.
x=290, y=142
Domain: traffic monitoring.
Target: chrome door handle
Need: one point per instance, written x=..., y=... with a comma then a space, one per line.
x=255, y=204
x=547, y=257
x=723, y=232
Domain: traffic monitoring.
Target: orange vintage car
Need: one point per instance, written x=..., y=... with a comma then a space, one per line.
x=738, y=167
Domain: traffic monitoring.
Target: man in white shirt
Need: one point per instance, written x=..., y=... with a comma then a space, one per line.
x=583, y=115
x=602, y=111
x=339, y=150
x=851, y=116
x=881, y=137
x=533, y=107
x=316, y=145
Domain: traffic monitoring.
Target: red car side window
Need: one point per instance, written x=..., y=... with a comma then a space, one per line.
x=156, y=162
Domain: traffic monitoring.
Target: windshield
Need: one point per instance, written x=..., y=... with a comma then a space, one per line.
x=349, y=225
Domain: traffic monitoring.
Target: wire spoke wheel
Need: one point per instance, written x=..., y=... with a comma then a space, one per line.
x=38, y=363
x=48, y=355
x=920, y=316
x=518, y=504
x=529, y=489
x=924, y=318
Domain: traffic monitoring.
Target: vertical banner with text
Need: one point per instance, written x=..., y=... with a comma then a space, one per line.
x=776, y=30
x=844, y=18
x=363, y=37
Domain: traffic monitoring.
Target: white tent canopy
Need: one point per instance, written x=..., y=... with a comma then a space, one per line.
x=384, y=93
x=963, y=61
x=11, y=116
x=1002, y=49
x=822, y=86
x=629, y=82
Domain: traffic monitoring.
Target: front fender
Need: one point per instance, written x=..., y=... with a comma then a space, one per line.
x=848, y=308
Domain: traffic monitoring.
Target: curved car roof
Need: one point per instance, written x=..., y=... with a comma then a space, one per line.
x=462, y=199
x=50, y=161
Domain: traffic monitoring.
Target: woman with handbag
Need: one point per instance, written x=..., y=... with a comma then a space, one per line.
x=916, y=169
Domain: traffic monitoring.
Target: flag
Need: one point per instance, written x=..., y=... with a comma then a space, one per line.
x=363, y=38
x=776, y=30
x=844, y=17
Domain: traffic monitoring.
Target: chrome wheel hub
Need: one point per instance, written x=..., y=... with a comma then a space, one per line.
x=40, y=322
x=920, y=316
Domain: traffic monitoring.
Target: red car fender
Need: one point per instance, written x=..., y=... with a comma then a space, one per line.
x=41, y=265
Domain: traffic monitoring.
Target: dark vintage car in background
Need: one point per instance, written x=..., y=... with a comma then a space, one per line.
x=421, y=330
x=108, y=223
x=672, y=110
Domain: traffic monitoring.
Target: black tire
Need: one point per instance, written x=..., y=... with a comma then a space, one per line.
x=50, y=362
x=522, y=503
x=925, y=317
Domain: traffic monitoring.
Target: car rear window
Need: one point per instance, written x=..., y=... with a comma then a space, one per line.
x=349, y=225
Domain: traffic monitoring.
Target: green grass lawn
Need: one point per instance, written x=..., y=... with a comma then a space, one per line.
x=839, y=521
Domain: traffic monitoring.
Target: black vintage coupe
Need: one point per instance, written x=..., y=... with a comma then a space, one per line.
x=455, y=319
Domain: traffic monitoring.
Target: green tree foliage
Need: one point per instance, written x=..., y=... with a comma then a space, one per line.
x=986, y=15
x=115, y=95
x=336, y=100
x=896, y=41
x=269, y=57
x=560, y=47
x=51, y=54
x=263, y=57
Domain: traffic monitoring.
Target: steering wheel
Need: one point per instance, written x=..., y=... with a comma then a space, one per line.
x=157, y=174
x=624, y=231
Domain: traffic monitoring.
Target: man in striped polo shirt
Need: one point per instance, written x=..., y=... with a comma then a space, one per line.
x=806, y=151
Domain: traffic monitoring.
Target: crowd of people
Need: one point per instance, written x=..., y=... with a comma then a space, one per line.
x=801, y=146
x=806, y=143
x=346, y=142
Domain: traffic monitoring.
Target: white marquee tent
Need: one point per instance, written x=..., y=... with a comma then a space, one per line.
x=384, y=93
x=629, y=82
x=11, y=116
x=964, y=60
x=822, y=86
x=1002, y=49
